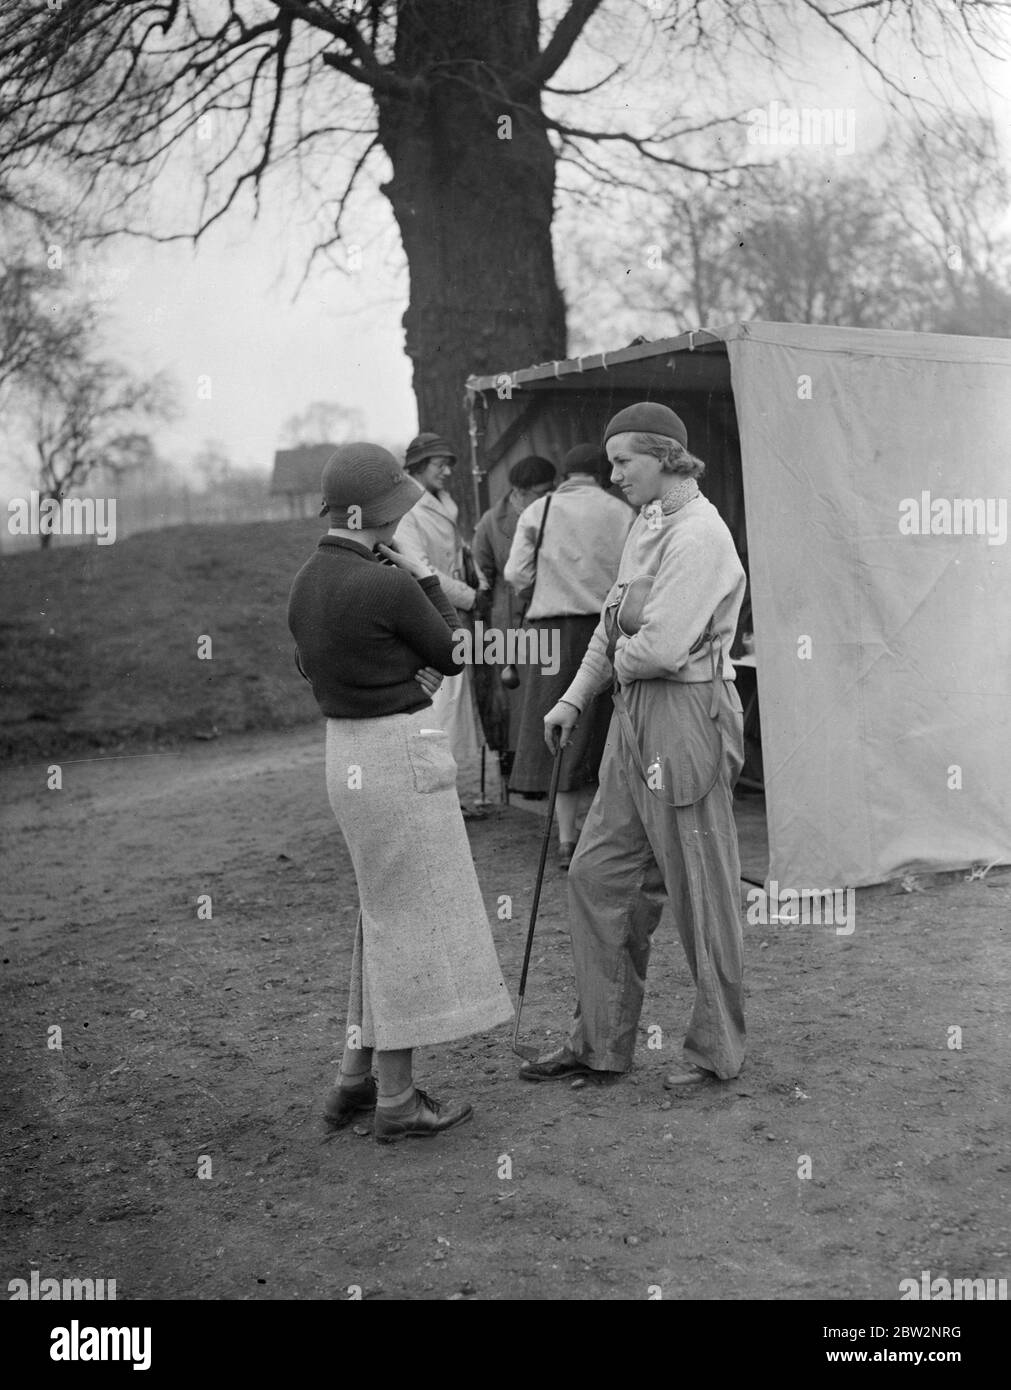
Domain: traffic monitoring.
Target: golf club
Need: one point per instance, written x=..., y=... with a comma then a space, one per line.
x=526, y=1050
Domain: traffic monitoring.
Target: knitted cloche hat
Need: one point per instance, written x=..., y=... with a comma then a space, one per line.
x=366, y=477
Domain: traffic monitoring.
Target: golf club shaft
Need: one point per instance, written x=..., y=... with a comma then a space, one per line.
x=552, y=794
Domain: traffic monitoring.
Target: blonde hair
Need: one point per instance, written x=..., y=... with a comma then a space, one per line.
x=673, y=456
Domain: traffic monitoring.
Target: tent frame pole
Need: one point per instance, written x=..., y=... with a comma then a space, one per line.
x=476, y=431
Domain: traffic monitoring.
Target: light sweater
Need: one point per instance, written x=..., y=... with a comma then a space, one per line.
x=429, y=532
x=579, y=554
x=696, y=576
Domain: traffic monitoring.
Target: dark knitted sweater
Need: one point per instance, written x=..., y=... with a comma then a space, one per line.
x=362, y=630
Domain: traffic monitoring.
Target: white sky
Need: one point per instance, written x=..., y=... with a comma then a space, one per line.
x=225, y=309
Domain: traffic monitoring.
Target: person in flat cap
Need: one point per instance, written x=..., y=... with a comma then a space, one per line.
x=565, y=555
x=661, y=827
x=375, y=640
x=431, y=532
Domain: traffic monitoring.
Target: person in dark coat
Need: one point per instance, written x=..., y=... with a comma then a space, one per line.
x=530, y=478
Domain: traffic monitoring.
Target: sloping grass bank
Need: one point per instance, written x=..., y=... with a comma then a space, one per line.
x=99, y=644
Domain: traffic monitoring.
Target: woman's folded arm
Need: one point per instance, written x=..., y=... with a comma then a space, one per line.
x=424, y=618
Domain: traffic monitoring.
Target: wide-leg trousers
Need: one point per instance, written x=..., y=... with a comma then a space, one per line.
x=635, y=851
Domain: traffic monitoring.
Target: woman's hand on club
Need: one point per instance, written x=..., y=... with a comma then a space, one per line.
x=559, y=722
x=419, y=568
x=429, y=679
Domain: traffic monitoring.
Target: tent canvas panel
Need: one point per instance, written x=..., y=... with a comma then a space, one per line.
x=907, y=671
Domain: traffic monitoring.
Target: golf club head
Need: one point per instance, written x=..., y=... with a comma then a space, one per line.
x=527, y=1051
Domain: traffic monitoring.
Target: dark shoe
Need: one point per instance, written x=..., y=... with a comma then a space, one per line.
x=428, y=1117
x=345, y=1102
x=556, y=1066
x=566, y=850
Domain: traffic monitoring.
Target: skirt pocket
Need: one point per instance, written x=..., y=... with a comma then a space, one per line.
x=432, y=763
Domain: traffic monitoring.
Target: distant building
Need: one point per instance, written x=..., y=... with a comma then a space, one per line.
x=297, y=474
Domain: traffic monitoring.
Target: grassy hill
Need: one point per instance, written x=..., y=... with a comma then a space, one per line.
x=98, y=644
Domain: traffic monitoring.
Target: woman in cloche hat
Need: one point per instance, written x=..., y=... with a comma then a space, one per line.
x=376, y=640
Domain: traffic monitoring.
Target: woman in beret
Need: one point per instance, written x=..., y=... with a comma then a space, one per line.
x=662, y=823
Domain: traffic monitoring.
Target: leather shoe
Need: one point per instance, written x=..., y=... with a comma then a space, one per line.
x=556, y=1066
x=428, y=1117
x=345, y=1102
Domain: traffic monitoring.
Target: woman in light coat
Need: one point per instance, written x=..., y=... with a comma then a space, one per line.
x=430, y=532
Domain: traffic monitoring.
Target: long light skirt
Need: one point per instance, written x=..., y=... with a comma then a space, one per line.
x=424, y=968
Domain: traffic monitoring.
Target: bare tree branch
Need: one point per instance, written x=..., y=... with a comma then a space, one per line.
x=559, y=46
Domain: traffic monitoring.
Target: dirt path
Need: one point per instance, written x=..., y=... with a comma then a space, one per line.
x=185, y=1039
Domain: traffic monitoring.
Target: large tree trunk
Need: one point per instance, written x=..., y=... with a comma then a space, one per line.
x=474, y=208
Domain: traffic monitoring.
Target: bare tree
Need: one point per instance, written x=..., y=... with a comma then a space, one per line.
x=90, y=422
x=43, y=331
x=213, y=464
x=806, y=241
x=322, y=422
x=452, y=104
x=820, y=247
x=959, y=192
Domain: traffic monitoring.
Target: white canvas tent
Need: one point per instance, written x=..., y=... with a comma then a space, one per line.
x=865, y=476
